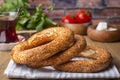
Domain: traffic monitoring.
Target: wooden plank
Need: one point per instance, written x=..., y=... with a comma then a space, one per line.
x=25, y=31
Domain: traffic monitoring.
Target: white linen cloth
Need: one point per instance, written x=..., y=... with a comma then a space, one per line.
x=14, y=70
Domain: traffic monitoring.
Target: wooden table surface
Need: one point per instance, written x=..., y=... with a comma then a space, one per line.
x=113, y=48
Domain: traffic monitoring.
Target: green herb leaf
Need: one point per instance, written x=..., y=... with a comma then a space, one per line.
x=39, y=27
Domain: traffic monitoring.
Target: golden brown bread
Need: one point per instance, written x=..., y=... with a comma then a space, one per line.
x=63, y=56
x=101, y=60
x=55, y=47
x=42, y=45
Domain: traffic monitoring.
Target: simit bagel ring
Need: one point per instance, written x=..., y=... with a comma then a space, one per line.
x=63, y=56
x=101, y=59
x=43, y=45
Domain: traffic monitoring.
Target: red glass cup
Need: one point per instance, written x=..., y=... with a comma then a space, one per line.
x=7, y=27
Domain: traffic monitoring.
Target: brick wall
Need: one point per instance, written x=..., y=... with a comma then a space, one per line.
x=102, y=10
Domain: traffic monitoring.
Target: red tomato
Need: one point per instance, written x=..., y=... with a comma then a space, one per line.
x=69, y=19
x=83, y=16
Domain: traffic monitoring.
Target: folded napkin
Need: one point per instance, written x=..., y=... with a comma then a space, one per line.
x=14, y=70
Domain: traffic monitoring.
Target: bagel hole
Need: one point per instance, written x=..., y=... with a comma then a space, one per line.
x=81, y=58
x=88, y=52
x=85, y=55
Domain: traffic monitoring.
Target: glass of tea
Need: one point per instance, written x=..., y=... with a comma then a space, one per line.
x=7, y=27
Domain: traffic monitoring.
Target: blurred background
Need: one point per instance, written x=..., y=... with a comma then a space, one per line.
x=102, y=10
